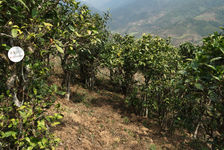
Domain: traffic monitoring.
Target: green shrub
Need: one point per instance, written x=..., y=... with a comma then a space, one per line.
x=28, y=126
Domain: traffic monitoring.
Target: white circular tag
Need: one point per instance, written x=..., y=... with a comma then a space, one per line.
x=16, y=54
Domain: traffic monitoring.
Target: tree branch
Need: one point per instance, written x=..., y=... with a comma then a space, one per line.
x=3, y=34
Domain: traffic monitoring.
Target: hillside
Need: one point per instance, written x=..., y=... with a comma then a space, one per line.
x=182, y=20
x=99, y=119
x=68, y=83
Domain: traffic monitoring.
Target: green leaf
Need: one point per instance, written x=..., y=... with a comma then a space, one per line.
x=189, y=59
x=14, y=33
x=182, y=72
x=222, y=50
x=35, y=91
x=210, y=66
x=61, y=93
x=95, y=31
x=59, y=49
x=34, y=12
x=20, y=1
x=199, y=86
x=22, y=107
x=10, y=133
x=48, y=24
x=41, y=125
x=58, y=116
x=41, y=145
x=82, y=18
x=74, y=2
x=71, y=28
x=30, y=148
x=27, y=139
x=217, y=78
x=215, y=59
x=55, y=124
x=21, y=144
x=44, y=141
x=24, y=116
x=78, y=35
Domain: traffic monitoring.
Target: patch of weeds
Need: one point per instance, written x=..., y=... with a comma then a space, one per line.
x=90, y=113
x=86, y=103
x=101, y=126
x=94, y=101
x=107, y=121
x=152, y=147
x=113, y=121
x=138, y=139
x=98, y=91
x=92, y=137
x=113, y=132
x=82, y=112
x=198, y=145
x=126, y=120
x=115, y=145
x=77, y=98
x=131, y=133
x=145, y=124
x=182, y=145
x=80, y=130
x=123, y=140
x=68, y=110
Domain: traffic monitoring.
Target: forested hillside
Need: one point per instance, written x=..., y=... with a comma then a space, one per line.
x=183, y=20
x=138, y=92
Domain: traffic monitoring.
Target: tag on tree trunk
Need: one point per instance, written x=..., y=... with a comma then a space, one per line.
x=16, y=54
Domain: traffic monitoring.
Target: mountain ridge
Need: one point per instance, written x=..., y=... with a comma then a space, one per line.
x=183, y=20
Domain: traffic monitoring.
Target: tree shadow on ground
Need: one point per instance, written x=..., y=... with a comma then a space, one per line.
x=77, y=97
x=105, y=84
x=106, y=94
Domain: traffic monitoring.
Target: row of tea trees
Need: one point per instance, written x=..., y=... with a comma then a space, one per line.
x=154, y=58
x=182, y=87
x=43, y=28
x=79, y=37
x=202, y=106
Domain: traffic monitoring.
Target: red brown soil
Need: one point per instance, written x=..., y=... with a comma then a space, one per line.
x=100, y=122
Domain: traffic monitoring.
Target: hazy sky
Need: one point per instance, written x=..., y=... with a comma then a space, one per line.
x=104, y=5
x=98, y=4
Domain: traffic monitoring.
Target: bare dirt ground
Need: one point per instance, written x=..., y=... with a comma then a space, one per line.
x=99, y=120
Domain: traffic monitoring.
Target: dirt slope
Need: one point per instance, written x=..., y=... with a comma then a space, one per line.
x=98, y=120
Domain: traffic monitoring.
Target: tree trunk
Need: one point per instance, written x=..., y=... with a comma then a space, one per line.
x=66, y=76
x=67, y=83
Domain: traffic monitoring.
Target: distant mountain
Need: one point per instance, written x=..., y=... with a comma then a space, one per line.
x=184, y=20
